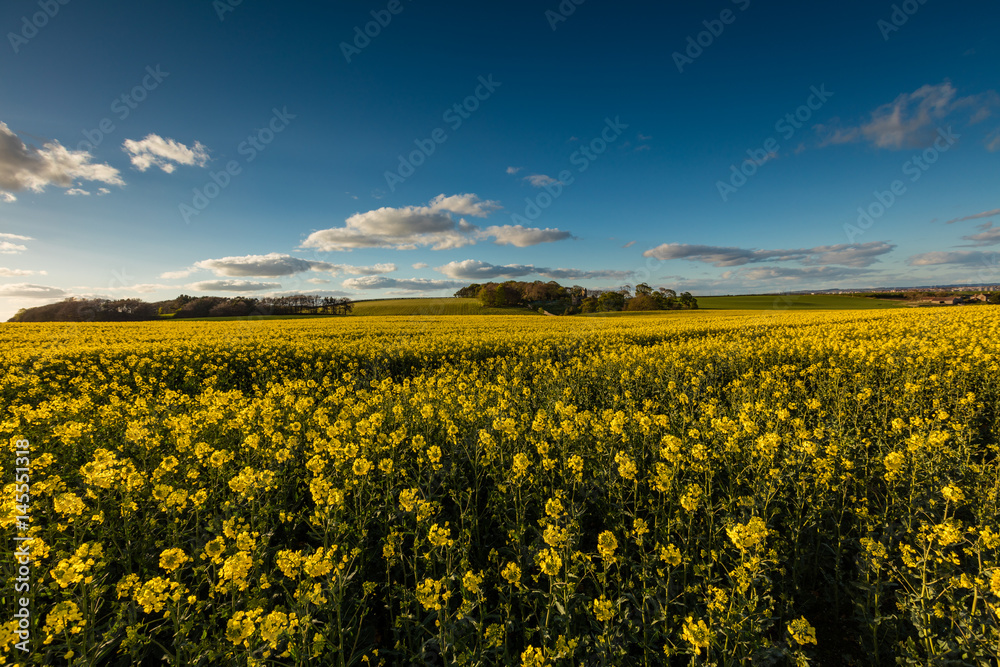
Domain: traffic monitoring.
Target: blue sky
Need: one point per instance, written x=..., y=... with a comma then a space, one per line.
x=256, y=148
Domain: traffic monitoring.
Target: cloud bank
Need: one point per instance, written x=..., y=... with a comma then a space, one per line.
x=24, y=167
x=433, y=226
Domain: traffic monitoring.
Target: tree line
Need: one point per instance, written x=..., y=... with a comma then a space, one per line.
x=182, y=307
x=577, y=299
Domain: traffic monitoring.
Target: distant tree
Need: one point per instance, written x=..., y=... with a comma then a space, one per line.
x=199, y=307
x=611, y=301
x=554, y=291
x=642, y=302
x=588, y=305
x=688, y=301
x=495, y=295
x=536, y=291
x=490, y=296
x=643, y=289
x=125, y=310
x=469, y=292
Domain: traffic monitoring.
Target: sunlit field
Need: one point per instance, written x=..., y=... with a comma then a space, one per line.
x=700, y=488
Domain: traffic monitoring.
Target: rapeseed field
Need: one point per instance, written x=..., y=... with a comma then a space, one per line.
x=775, y=488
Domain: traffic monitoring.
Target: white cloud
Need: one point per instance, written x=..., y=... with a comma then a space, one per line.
x=401, y=228
x=513, y=170
x=847, y=254
x=909, y=121
x=467, y=204
x=174, y=275
x=29, y=291
x=77, y=191
x=472, y=269
x=365, y=270
x=410, y=227
x=977, y=216
x=145, y=288
x=269, y=266
x=155, y=151
x=317, y=281
x=16, y=273
x=541, y=180
x=582, y=274
x=8, y=248
x=322, y=292
x=102, y=292
x=421, y=265
x=475, y=270
x=791, y=274
x=103, y=191
x=629, y=244
x=989, y=236
x=522, y=237
x=25, y=167
x=960, y=257
x=16, y=237
x=273, y=265
x=403, y=284
x=7, y=198
x=232, y=286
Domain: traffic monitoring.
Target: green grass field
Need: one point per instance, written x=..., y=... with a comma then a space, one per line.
x=794, y=302
x=453, y=306
x=444, y=306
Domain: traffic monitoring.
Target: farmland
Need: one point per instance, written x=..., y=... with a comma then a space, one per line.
x=794, y=302
x=695, y=488
x=426, y=307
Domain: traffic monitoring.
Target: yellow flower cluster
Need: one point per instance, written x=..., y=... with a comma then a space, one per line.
x=433, y=593
x=749, y=535
x=596, y=486
x=76, y=568
x=153, y=595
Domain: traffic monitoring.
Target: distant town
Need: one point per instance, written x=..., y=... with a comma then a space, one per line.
x=929, y=295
